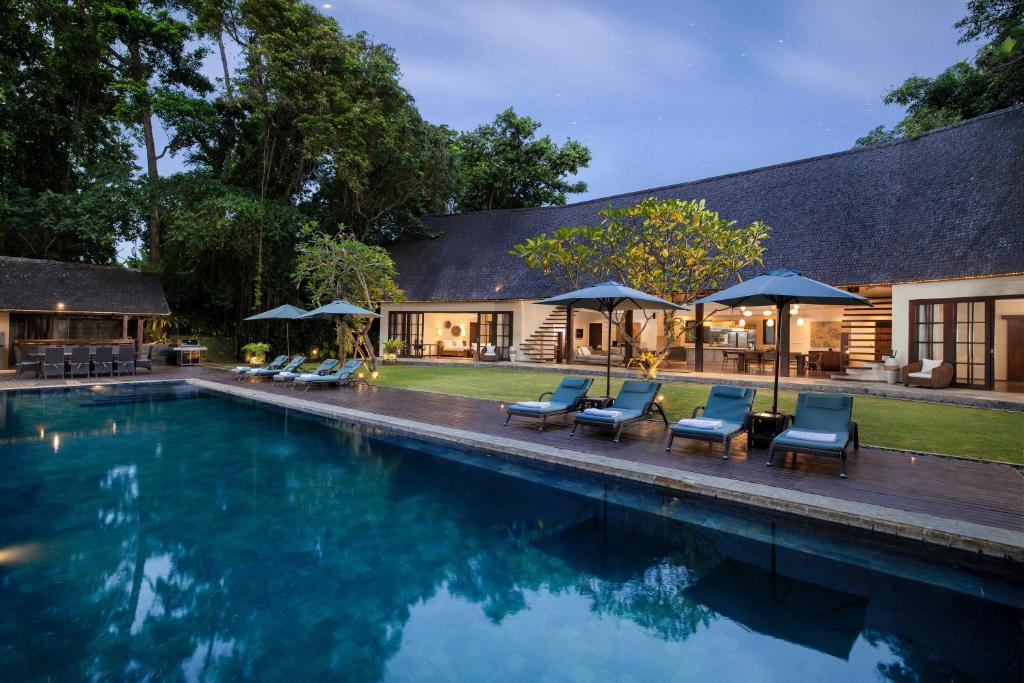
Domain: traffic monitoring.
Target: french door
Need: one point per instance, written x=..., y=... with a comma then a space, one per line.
x=409, y=328
x=957, y=331
x=496, y=329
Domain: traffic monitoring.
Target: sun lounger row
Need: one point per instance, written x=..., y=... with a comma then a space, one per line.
x=822, y=424
x=281, y=369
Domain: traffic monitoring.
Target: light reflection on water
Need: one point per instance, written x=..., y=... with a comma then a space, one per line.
x=209, y=539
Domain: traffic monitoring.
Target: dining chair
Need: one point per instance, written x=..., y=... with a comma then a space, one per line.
x=103, y=363
x=53, y=362
x=78, y=366
x=730, y=360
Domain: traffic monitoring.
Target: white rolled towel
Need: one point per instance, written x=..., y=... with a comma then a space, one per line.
x=701, y=423
x=603, y=412
x=286, y=375
x=535, y=404
x=823, y=437
x=309, y=375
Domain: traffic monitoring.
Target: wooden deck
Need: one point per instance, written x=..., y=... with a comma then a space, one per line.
x=984, y=493
x=991, y=494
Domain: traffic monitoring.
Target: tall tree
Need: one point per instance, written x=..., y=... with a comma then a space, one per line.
x=503, y=165
x=156, y=70
x=993, y=81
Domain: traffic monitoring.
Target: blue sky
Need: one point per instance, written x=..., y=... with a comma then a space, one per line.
x=664, y=92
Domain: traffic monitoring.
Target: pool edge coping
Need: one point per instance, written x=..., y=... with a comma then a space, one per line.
x=943, y=532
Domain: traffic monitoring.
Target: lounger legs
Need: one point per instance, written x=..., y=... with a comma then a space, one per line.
x=543, y=421
x=618, y=433
x=671, y=438
x=771, y=454
x=728, y=445
x=507, y=419
x=574, y=426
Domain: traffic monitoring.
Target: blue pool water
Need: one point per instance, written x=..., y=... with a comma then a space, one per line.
x=165, y=533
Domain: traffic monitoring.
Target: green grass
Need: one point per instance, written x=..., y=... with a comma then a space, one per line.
x=952, y=430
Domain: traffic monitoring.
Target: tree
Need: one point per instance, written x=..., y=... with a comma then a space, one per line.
x=503, y=165
x=993, y=81
x=341, y=267
x=671, y=248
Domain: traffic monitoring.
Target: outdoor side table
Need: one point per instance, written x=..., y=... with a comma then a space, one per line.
x=763, y=427
x=600, y=402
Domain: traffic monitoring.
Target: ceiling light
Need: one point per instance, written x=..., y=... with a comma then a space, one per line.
x=743, y=323
x=767, y=311
x=748, y=313
x=771, y=323
x=800, y=322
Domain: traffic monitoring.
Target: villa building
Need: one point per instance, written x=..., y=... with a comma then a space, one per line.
x=46, y=303
x=931, y=230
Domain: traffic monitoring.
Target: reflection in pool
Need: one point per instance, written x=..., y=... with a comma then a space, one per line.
x=180, y=534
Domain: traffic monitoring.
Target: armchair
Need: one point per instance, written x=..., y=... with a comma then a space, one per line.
x=939, y=377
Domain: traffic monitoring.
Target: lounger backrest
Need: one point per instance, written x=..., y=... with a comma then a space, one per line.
x=54, y=355
x=823, y=412
x=294, y=363
x=327, y=366
x=274, y=364
x=571, y=389
x=729, y=403
x=636, y=395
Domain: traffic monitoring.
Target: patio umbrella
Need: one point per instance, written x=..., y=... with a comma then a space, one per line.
x=286, y=313
x=780, y=288
x=340, y=309
x=608, y=298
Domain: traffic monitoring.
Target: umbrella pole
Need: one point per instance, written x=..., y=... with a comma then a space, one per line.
x=608, y=370
x=287, y=339
x=778, y=360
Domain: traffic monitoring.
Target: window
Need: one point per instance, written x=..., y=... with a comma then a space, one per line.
x=409, y=328
x=970, y=342
x=929, y=331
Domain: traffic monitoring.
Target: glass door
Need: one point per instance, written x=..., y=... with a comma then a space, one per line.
x=972, y=343
x=409, y=328
x=495, y=329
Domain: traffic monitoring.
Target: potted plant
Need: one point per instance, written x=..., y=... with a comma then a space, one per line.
x=256, y=352
x=391, y=349
x=512, y=354
x=647, y=362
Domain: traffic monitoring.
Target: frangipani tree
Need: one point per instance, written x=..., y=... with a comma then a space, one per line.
x=674, y=249
x=341, y=267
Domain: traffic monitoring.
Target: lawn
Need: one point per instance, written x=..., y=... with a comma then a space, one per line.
x=952, y=430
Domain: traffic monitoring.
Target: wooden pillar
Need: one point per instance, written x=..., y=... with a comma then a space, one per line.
x=628, y=324
x=124, y=327
x=782, y=341
x=569, y=332
x=698, y=338
x=140, y=327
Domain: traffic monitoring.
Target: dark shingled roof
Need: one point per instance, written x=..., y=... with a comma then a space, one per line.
x=36, y=285
x=949, y=204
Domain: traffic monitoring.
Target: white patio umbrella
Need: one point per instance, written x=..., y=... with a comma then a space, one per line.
x=780, y=288
x=608, y=298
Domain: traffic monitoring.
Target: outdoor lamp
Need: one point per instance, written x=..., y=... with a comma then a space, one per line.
x=800, y=322
x=60, y=305
x=748, y=313
x=770, y=323
x=767, y=312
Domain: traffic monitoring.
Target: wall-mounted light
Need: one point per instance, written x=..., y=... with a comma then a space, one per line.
x=60, y=306
x=800, y=322
x=770, y=323
x=743, y=308
x=767, y=312
x=748, y=313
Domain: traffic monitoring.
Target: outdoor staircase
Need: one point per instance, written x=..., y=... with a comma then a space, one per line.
x=867, y=340
x=542, y=344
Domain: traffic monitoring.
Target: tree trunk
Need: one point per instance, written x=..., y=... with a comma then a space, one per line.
x=224, y=65
x=146, y=118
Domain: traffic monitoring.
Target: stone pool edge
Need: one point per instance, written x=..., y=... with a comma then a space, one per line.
x=993, y=542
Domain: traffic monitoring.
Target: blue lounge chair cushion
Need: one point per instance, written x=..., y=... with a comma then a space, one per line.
x=555, y=407
x=823, y=413
x=570, y=390
x=635, y=395
x=729, y=403
x=627, y=414
x=725, y=430
x=785, y=439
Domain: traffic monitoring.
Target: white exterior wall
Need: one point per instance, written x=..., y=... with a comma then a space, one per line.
x=902, y=295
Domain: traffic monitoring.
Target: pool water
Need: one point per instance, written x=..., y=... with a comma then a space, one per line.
x=162, y=532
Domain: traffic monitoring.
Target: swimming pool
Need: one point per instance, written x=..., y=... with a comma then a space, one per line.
x=165, y=531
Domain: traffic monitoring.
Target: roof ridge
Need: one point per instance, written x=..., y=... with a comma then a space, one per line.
x=749, y=171
x=73, y=264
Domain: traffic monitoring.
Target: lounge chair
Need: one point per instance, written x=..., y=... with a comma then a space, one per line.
x=346, y=375
x=823, y=425
x=564, y=399
x=78, y=365
x=931, y=374
x=103, y=363
x=125, y=360
x=293, y=365
x=53, y=362
x=326, y=367
x=635, y=401
x=729, y=407
x=242, y=370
